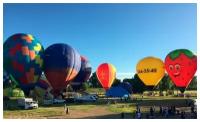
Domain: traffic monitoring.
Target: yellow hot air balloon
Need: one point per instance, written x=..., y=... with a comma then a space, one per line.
x=150, y=70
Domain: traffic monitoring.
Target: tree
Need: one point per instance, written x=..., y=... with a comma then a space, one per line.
x=84, y=86
x=116, y=82
x=193, y=84
x=137, y=84
x=94, y=81
x=164, y=83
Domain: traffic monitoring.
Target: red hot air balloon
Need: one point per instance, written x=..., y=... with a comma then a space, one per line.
x=106, y=73
x=181, y=65
x=61, y=64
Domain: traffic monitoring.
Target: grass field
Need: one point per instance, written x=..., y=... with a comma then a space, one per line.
x=102, y=108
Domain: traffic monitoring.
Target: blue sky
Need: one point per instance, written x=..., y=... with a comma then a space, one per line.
x=120, y=34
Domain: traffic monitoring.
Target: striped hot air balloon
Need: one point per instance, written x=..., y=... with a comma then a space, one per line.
x=83, y=74
x=106, y=74
x=61, y=64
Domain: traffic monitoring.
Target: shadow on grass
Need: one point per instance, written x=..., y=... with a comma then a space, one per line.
x=144, y=116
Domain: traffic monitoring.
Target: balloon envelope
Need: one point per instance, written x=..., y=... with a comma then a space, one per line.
x=23, y=59
x=43, y=83
x=181, y=65
x=150, y=70
x=83, y=74
x=106, y=73
x=127, y=86
x=61, y=64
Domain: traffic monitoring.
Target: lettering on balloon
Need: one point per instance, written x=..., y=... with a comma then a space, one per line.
x=147, y=70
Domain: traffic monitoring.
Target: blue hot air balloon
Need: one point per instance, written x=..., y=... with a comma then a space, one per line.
x=61, y=64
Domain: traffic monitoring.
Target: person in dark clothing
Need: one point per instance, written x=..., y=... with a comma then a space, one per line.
x=182, y=115
x=66, y=109
x=122, y=115
x=174, y=110
x=161, y=110
x=151, y=111
x=192, y=109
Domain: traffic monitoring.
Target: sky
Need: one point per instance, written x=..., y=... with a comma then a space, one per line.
x=120, y=34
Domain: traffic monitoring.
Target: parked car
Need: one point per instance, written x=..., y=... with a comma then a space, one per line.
x=48, y=102
x=57, y=101
x=86, y=98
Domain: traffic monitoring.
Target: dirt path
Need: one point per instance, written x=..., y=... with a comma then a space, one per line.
x=95, y=112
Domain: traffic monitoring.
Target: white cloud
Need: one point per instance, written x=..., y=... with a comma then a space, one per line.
x=122, y=75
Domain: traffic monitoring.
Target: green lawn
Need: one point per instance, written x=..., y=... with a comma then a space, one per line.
x=114, y=107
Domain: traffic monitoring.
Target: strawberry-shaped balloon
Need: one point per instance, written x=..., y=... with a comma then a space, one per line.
x=181, y=65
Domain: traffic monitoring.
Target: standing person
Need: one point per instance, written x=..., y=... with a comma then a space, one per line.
x=182, y=115
x=174, y=110
x=161, y=110
x=137, y=108
x=122, y=115
x=151, y=111
x=192, y=109
x=66, y=109
x=166, y=112
x=138, y=115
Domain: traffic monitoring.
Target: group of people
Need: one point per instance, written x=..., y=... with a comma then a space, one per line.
x=164, y=111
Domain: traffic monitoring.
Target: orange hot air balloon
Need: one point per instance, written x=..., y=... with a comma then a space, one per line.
x=106, y=73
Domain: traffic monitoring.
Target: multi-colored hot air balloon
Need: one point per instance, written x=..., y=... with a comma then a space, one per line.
x=83, y=74
x=61, y=64
x=23, y=60
x=181, y=65
x=150, y=70
x=106, y=74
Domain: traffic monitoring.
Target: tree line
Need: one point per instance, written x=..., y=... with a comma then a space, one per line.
x=139, y=87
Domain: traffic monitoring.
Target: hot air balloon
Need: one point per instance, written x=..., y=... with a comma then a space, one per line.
x=181, y=65
x=61, y=64
x=83, y=74
x=44, y=83
x=127, y=86
x=106, y=74
x=23, y=60
x=150, y=70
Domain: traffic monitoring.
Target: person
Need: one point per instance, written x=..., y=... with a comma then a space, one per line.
x=66, y=109
x=122, y=115
x=151, y=111
x=161, y=110
x=174, y=110
x=170, y=110
x=166, y=112
x=138, y=115
x=177, y=112
x=137, y=108
x=182, y=115
x=192, y=109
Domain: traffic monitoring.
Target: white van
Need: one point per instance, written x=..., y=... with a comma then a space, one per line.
x=27, y=103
